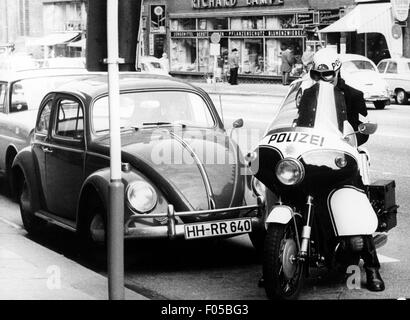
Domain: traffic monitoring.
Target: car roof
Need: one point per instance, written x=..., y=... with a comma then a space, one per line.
x=402, y=59
x=39, y=73
x=94, y=86
x=351, y=56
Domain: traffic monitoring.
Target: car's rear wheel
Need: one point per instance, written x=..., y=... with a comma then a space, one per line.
x=379, y=105
x=401, y=97
x=31, y=223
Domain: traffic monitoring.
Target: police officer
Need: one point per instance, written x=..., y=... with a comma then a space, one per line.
x=326, y=67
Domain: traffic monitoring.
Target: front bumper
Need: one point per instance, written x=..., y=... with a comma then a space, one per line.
x=173, y=230
x=374, y=98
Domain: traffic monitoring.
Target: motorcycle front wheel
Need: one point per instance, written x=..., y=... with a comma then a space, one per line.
x=282, y=271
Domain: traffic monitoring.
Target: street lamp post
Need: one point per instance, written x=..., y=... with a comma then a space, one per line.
x=116, y=189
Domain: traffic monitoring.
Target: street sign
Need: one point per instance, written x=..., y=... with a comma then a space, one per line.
x=215, y=49
x=215, y=37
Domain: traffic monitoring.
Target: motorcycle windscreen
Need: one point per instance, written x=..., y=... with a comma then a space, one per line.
x=351, y=212
x=322, y=107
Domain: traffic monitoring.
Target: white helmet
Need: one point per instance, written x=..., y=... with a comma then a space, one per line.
x=326, y=59
x=326, y=64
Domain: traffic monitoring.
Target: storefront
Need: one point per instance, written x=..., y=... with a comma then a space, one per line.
x=259, y=29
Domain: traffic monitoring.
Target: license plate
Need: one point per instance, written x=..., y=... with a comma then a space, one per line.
x=217, y=228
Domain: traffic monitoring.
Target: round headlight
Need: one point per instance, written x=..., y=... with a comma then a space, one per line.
x=290, y=172
x=141, y=197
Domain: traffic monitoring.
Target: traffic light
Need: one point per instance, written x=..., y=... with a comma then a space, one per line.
x=129, y=16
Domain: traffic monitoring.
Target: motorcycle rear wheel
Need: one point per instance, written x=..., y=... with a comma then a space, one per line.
x=283, y=273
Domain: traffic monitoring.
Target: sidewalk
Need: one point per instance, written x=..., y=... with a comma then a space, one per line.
x=245, y=89
x=29, y=271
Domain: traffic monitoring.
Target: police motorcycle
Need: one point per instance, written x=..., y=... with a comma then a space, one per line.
x=318, y=198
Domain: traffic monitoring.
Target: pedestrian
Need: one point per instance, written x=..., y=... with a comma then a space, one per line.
x=288, y=60
x=165, y=61
x=234, y=67
x=307, y=58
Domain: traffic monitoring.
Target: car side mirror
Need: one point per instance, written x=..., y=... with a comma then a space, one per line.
x=238, y=124
x=368, y=128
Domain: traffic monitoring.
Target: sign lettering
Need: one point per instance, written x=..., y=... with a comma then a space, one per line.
x=299, y=137
x=216, y=4
x=287, y=33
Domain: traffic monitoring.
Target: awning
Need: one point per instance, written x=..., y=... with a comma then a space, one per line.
x=78, y=44
x=53, y=39
x=369, y=18
x=363, y=18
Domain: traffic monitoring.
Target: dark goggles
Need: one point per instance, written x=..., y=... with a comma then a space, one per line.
x=326, y=75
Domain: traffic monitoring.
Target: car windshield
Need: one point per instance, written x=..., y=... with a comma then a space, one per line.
x=357, y=65
x=159, y=108
x=27, y=94
x=322, y=107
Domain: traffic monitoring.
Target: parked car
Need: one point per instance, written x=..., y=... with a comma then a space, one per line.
x=360, y=73
x=20, y=96
x=64, y=62
x=153, y=65
x=172, y=138
x=397, y=74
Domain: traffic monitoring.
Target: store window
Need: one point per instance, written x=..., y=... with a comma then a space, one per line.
x=183, y=55
x=274, y=49
x=213, y=24
x=183, y=24
x=247, y=23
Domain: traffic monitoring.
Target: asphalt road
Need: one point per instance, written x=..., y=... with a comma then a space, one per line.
x=230, y=269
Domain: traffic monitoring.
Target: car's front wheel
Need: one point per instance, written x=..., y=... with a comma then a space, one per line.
x=31, y=223
x=379, y=105
x=401, y=97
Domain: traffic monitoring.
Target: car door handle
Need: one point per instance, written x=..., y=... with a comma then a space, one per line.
x=47, y=150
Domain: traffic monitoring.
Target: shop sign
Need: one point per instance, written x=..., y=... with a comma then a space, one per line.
x=304, y=18
x=158, y=18
x=400, y=9
x=215, y=4
x=328, y=16
x=285, y=33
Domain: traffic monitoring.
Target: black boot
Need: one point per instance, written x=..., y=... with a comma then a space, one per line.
x=372, y=265
x=374, y=280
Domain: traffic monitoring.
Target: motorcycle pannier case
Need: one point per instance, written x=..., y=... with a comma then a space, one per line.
x=382, y=196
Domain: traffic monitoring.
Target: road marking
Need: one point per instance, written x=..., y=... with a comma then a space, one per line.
x=384, y=259
x=11, y=224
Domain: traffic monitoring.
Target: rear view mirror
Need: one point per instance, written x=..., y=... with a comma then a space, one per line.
x=368, y=128
x=238, y=124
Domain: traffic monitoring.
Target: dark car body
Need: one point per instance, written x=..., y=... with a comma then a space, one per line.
x=67, y=177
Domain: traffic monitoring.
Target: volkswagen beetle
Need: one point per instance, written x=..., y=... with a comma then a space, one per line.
x=183, y=175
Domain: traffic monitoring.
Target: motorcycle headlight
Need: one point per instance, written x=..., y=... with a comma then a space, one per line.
x=141, y=197
x=290, y=172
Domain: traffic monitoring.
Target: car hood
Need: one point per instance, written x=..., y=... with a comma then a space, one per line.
x=169, y=154
x=366, y=81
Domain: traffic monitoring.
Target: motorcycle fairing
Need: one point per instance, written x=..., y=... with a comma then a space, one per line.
x=351, y=212
x=319, y=122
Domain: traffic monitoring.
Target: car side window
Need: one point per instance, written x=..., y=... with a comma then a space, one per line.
x=392, y=68
x=70, y=120
x=2, y=96
x=381, y=67
x=43, y=123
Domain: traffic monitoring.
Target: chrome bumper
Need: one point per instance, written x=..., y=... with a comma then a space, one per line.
x=172, y=230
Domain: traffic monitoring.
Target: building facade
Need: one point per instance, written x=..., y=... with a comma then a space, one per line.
x=19, y=19
x=259, y=29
